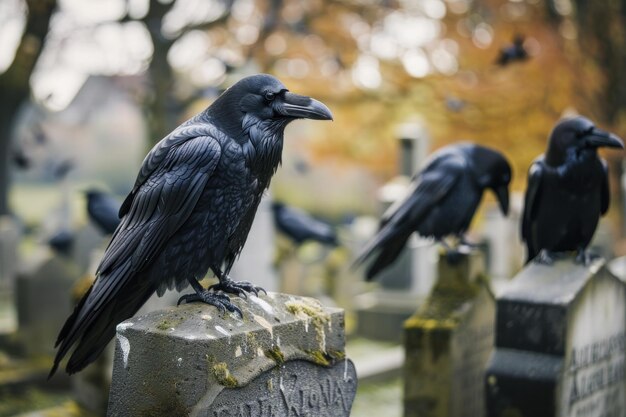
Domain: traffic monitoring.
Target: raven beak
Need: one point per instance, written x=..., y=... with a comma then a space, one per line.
x=302, y=107
x=502, y=193
x=599, y=138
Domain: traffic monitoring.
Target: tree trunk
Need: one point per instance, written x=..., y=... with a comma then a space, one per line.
x=15, y=84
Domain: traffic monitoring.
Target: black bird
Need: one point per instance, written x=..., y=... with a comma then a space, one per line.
x=568, y=191
x=300, y=226
x=442, y=200
x=513, y=52
x=62, y=242
x=103, y=210
x=190, y=211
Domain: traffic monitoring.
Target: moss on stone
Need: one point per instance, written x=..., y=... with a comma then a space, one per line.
x=275, y=354
x=318, y=357
x=170, y=322
x=223, y=375
x=337, y=354
x=314, y=312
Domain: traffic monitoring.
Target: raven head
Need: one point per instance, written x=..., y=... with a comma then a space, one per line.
x=263, y=99
x=574, y=136
x=493, y=171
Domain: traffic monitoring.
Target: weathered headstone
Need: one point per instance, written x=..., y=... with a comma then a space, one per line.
x=448, y=341
x=43, y=301
x=409, y=279
x=285, y=358
x=560, y=344
x=9, y=240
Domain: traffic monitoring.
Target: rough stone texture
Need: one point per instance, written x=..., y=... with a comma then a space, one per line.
x=448, y=341
x=560, y=344
x=286, y=353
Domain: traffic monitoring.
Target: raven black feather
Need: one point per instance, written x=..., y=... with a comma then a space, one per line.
x=190, y=211
x=442, y=200
x=568, y=190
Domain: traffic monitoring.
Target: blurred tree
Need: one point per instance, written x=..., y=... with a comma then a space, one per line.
x=15, y=82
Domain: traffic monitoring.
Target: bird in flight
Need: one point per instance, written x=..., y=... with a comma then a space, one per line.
x=189, y=211
x=568, y=191
x=441, y=201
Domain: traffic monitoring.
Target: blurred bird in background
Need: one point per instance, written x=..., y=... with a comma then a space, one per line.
x=513, y=52
x=102, y=210
x=300, y=227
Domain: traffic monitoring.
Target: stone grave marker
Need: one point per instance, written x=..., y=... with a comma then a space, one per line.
x=284, y=358
x=448, y=342
x=43, y=301
x=560, y=344
x=409, y=279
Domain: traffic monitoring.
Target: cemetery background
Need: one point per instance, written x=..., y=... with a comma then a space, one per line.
x=93, y=83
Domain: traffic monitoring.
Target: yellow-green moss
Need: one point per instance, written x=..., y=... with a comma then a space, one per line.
x=276, y=355
x=337, y=354
x=170, y=322
x=314, y=312
x=318, y=357
x=223, y=375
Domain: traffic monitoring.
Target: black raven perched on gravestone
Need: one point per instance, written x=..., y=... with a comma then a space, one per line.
x=103, y=209
x=300, y=226
x=568, y=191
x=441, y=201
x=189, y=211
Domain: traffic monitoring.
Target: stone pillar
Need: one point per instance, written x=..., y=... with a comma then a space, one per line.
x=285, y=357
x=560, y=344
x=448, y=341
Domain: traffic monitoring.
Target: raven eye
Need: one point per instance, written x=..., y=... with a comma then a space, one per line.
x=269, y=96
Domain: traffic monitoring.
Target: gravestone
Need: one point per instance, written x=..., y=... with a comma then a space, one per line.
x=448, y=341
x=43, y=301
x=9, y=240
x=560, y=344
x=284, y=358
x=409, y=279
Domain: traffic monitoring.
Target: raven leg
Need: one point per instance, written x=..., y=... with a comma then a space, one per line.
x=584, y=257
x=229, y=286
x=217, y=299
x=545, y=257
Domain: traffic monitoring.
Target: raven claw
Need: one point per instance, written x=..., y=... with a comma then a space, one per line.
x=218, y=299
x=584, y=257
x=545, y=257
x=239, y=288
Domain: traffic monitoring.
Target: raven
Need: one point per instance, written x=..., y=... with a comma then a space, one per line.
x=513, y=52
x=568, y=191
x=300, y=227
x=442, y=200
x=189, y=211
x=102, y=210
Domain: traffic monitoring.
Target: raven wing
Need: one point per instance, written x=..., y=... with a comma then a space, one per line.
x=535, y=175
x=402, y=218
x=156, y=209
x=605, y=194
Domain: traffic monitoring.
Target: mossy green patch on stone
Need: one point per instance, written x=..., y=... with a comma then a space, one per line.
x=318, y=357
x=313, y=311
x=223, y=375
x=170, y=322
x=337, y=354
x=275, y=354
